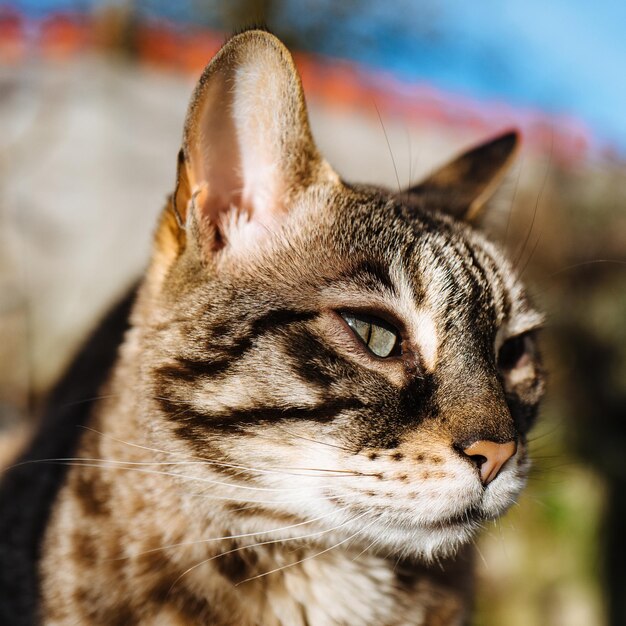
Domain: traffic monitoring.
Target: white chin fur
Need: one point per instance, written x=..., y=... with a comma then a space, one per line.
x=427, y=544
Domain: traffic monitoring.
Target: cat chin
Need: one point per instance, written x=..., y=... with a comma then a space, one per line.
x=451, y=535
x=445, y=543
x=425, y=544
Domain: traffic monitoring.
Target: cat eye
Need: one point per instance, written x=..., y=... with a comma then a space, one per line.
x=512, y=351
x=380, y=338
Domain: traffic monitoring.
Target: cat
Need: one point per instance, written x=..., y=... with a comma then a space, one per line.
x=321, y=391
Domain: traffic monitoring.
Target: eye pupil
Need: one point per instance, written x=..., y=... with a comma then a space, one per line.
x=380, y=338
x=511, y=352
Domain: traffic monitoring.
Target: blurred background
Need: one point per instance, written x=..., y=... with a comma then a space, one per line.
x=92, y=99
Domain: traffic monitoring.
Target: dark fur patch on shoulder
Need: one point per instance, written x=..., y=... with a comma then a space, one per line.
x=28, y=489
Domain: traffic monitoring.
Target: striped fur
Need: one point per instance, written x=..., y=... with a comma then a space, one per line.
x=250, y=462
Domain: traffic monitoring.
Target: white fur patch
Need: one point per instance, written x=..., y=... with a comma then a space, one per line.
x=420, y=321
x=426, y=338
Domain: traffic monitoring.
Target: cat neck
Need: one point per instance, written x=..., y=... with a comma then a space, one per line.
x=126, y=516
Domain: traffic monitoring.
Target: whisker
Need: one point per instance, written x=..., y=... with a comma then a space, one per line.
x=577, y=265
x=303, y=471
x=312, y=556
x=541, y=190
x=131, y=444
x=241, y=536
x=410, y=167
x=508, y=221
x=90, y=399
x=264, y=543
x=531, y=255
x=322, y=443
x=479, y=552
x=236, y=466
x=125, y=466
x=307, y=499
x=367, y=548
x=393, y=161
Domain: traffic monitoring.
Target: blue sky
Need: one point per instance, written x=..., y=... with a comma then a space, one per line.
x=560, y=56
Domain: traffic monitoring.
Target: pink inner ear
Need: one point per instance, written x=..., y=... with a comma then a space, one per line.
x=214, y=155
x=236, y=152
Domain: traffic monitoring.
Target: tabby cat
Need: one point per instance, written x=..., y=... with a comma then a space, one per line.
x=322, y=391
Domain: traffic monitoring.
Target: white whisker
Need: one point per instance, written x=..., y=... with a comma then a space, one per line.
x=242, y=536
x=321, y=443
x=237, y=466
x=272, y=541
x=368, y=547
x=126, y=466
x=312, y=556
x=307, y=472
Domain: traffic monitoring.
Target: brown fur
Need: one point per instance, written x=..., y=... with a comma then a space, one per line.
x=251, y=463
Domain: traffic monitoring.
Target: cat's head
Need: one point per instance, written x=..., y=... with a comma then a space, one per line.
x=344, y=356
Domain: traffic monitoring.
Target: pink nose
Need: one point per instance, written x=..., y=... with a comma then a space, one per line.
x=490, y=456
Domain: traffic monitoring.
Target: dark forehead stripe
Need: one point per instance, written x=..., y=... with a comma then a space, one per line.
x=431, y=245
x=478, y=307
x=372, y=270
x=498, y=284
x=477, y=283
x=435, y=261
x=460, y=246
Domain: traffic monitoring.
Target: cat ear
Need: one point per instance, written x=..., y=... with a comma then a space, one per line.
x=463, y=186
x=247, y=146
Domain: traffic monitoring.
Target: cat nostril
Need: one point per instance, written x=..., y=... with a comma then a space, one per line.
x=489, y=457
x=478, y=459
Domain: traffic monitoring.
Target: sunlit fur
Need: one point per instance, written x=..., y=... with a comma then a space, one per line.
x=250, y=461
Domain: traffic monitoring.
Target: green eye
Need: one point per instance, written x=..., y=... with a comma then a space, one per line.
x=380, y=338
